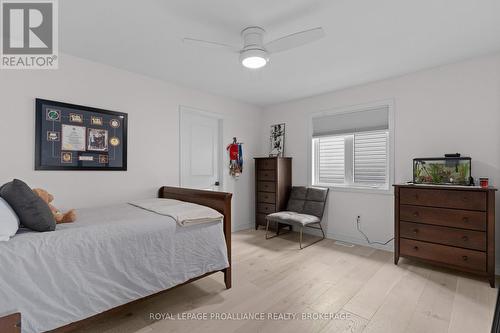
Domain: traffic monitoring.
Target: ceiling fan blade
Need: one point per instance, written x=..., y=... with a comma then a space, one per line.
x=208, y=44
x=295, y=40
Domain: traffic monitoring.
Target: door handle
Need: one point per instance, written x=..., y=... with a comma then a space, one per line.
x=217, y=183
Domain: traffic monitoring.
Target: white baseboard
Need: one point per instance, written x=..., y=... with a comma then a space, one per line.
x=350, y=239
x=360, y=241
x=240, y=227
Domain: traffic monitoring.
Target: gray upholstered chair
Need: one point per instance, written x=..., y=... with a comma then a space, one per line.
x=305, y=208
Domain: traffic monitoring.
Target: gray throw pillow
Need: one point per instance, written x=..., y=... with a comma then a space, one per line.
x=32, y=211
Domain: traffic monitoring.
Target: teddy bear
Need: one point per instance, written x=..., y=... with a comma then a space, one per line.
x=59, y=216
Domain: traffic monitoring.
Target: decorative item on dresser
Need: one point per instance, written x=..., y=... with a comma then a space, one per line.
x=447, y=225
x=273, y=182
x=277, y=140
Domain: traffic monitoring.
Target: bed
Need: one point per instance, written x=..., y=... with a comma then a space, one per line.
x=112, y=256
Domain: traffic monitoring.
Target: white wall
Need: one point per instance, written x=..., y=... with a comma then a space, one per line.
x=153, y=137
x=454, y=108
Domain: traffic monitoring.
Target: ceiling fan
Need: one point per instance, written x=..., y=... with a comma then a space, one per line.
x=255, y=54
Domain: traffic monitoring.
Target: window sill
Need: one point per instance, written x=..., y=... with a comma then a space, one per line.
x=357, y=189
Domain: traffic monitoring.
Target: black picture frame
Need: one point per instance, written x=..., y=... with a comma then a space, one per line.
x=277, y=140
x=40, y=137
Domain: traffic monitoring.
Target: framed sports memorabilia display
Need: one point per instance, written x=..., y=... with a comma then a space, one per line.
x=76, y=137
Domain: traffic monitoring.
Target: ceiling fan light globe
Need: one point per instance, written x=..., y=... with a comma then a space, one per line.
x=254, y=62
x=254, y=59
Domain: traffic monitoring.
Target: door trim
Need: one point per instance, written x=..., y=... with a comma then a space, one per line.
x=184, y=109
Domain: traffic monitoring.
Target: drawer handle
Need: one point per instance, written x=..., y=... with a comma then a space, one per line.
x=465, y=238
x=465, y=258
x=415, y=248
x=415, y=231
x=465, y=219
x=464, y=198
x=416, y=214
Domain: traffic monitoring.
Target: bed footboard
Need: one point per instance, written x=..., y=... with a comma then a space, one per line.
x=220, y=201
x=10, y=323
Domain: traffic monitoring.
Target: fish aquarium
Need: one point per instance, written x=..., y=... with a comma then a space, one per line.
x=442, y=171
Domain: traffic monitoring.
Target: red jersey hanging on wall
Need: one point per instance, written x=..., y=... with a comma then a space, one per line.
x=235, y=158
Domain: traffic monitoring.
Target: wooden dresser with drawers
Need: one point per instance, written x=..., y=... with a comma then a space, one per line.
x=450, y=226
x=273, y=182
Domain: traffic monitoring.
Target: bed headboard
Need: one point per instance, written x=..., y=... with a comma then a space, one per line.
x=220, y=201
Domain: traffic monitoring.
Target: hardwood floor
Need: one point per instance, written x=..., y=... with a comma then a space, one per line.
x=361, y=285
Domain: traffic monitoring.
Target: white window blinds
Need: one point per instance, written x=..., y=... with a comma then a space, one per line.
x=370, y=157
x=352, y=122
x=330, y=159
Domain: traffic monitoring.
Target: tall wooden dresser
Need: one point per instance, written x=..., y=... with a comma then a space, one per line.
x=450, y=226
x=273, y=182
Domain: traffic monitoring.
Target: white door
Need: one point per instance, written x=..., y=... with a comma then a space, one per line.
x=200, y=149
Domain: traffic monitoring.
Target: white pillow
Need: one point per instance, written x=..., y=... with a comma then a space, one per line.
x=9, y=222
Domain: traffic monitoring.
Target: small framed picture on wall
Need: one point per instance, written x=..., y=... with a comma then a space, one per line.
x=277, y=140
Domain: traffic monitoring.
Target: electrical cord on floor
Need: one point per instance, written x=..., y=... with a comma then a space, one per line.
x=366, y=237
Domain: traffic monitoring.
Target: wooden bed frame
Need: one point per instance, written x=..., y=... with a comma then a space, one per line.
x=220, y=201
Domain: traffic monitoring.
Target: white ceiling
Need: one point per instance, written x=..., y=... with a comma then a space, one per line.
x=366, y=40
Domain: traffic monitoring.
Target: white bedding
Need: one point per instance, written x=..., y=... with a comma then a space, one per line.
x=110, y=256
x=184, y=213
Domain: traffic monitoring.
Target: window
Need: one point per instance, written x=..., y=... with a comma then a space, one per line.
x=352, y=149
x=330, y=159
